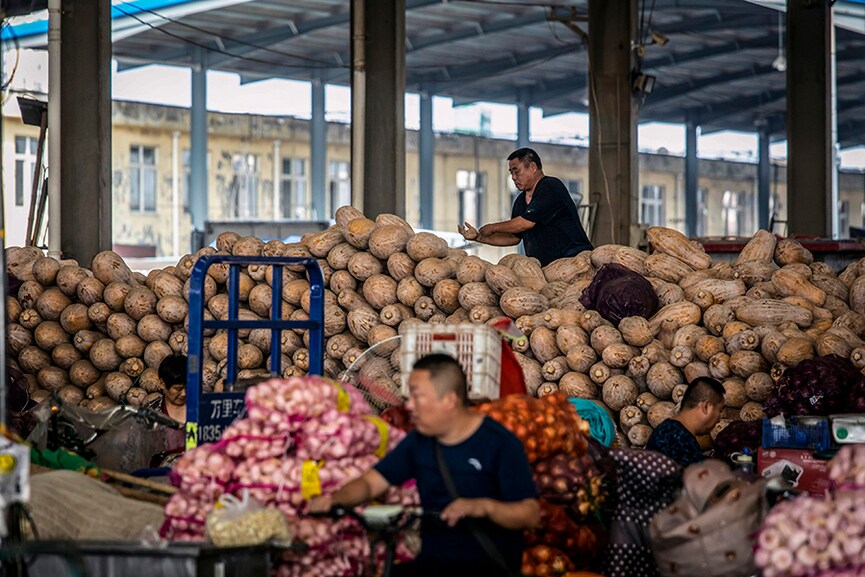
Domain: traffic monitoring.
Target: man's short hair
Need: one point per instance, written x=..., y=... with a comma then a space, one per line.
x=446, y=374
x=526, y=156
x=172, y=371
x=703, y=389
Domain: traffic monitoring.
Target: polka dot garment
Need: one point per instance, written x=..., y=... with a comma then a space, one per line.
x=647, y=482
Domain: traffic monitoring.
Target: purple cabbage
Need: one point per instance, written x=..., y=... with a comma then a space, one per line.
x=820, y=386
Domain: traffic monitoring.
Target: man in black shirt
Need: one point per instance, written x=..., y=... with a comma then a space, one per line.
x=544, y=216
x=700, y=412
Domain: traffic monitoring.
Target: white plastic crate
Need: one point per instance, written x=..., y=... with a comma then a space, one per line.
x=477, y=348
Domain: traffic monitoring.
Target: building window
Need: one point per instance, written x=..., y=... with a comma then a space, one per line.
x=25, y=164
x=736, y=213
x=702, y=211
x=844, y=218
x=339, y=185
x=575, y=188
x=243, y=191
x=471, y=186
x=652, y=205
x=294, y=200
x=142, y=178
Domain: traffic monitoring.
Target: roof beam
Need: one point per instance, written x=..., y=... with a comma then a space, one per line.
x=712, y=113
x=474, y=30
x=571, y=83
x=851, y=134
x=244, y=46
x=290, y=32
x=664, y=93
x=449, y=76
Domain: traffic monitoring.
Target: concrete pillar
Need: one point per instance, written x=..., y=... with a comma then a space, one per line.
x=318, y=154
x=277, y=180
x=85, y=175
x=522, y=125
x=613, y=119
x=198, y=149
x=379, y=27
x=426, y=154
x=763, y=177
x=692, y=176
x=358, y=101
x=175, y=193
x=809, y=134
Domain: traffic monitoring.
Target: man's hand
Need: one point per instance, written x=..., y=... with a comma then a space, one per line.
x=468, y=231
x=462, y=508
x=320, y=504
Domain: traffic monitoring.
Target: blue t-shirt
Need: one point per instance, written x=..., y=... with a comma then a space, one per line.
x=672, y=439
x=491, y=464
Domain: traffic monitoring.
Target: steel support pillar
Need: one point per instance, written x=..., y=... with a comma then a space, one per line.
x=522, y=125
x=692, y=177
x=198, y=150
x=85, y=174
x=378, y=61
x=426, y=160
x=318, y=154
x=809, y=112
x=764, y=184
x=612, y=119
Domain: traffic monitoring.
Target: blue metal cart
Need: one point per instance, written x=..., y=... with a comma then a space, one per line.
x=208, y=414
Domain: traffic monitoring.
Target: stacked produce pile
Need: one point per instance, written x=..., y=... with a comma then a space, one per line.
x=819, y=536
x=303, y=436
x=569, y=482
x=94, y=333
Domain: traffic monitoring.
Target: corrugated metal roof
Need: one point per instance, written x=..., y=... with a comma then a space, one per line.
x=716, y=69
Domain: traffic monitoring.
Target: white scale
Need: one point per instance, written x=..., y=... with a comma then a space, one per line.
x=848, y=429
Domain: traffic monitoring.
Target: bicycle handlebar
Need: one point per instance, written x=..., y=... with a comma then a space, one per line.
x=378, y=517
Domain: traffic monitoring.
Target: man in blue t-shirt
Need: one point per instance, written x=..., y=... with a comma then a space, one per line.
x=701, y=410
x=544, y=217
x=490, y=471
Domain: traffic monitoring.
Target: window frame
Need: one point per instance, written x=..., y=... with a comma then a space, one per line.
x=338, y=186
x=294, y=204
x=143, y=169
x=655, y=203
x=475, y=184
x=25, y=166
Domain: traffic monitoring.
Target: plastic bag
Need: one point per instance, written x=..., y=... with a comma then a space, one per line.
x=241, y=522
x=617, y=292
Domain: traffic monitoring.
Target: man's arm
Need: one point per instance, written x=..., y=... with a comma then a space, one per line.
x=505, y=233
x=369, y=486
x=514, y=226
x=516, y=515
x=498, y=239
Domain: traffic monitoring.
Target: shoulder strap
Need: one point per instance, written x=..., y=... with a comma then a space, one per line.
x=477, y=529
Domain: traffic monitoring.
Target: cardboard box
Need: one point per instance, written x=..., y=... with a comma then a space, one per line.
x=799, y=466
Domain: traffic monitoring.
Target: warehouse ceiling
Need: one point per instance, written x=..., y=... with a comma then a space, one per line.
x=716, y=68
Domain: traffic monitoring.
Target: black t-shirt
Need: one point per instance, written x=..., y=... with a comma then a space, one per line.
x=672, y=439
x=490, y=464
x=558, y=232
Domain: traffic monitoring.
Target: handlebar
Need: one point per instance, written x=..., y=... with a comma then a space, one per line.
x=379, y=517
x=149, y=417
